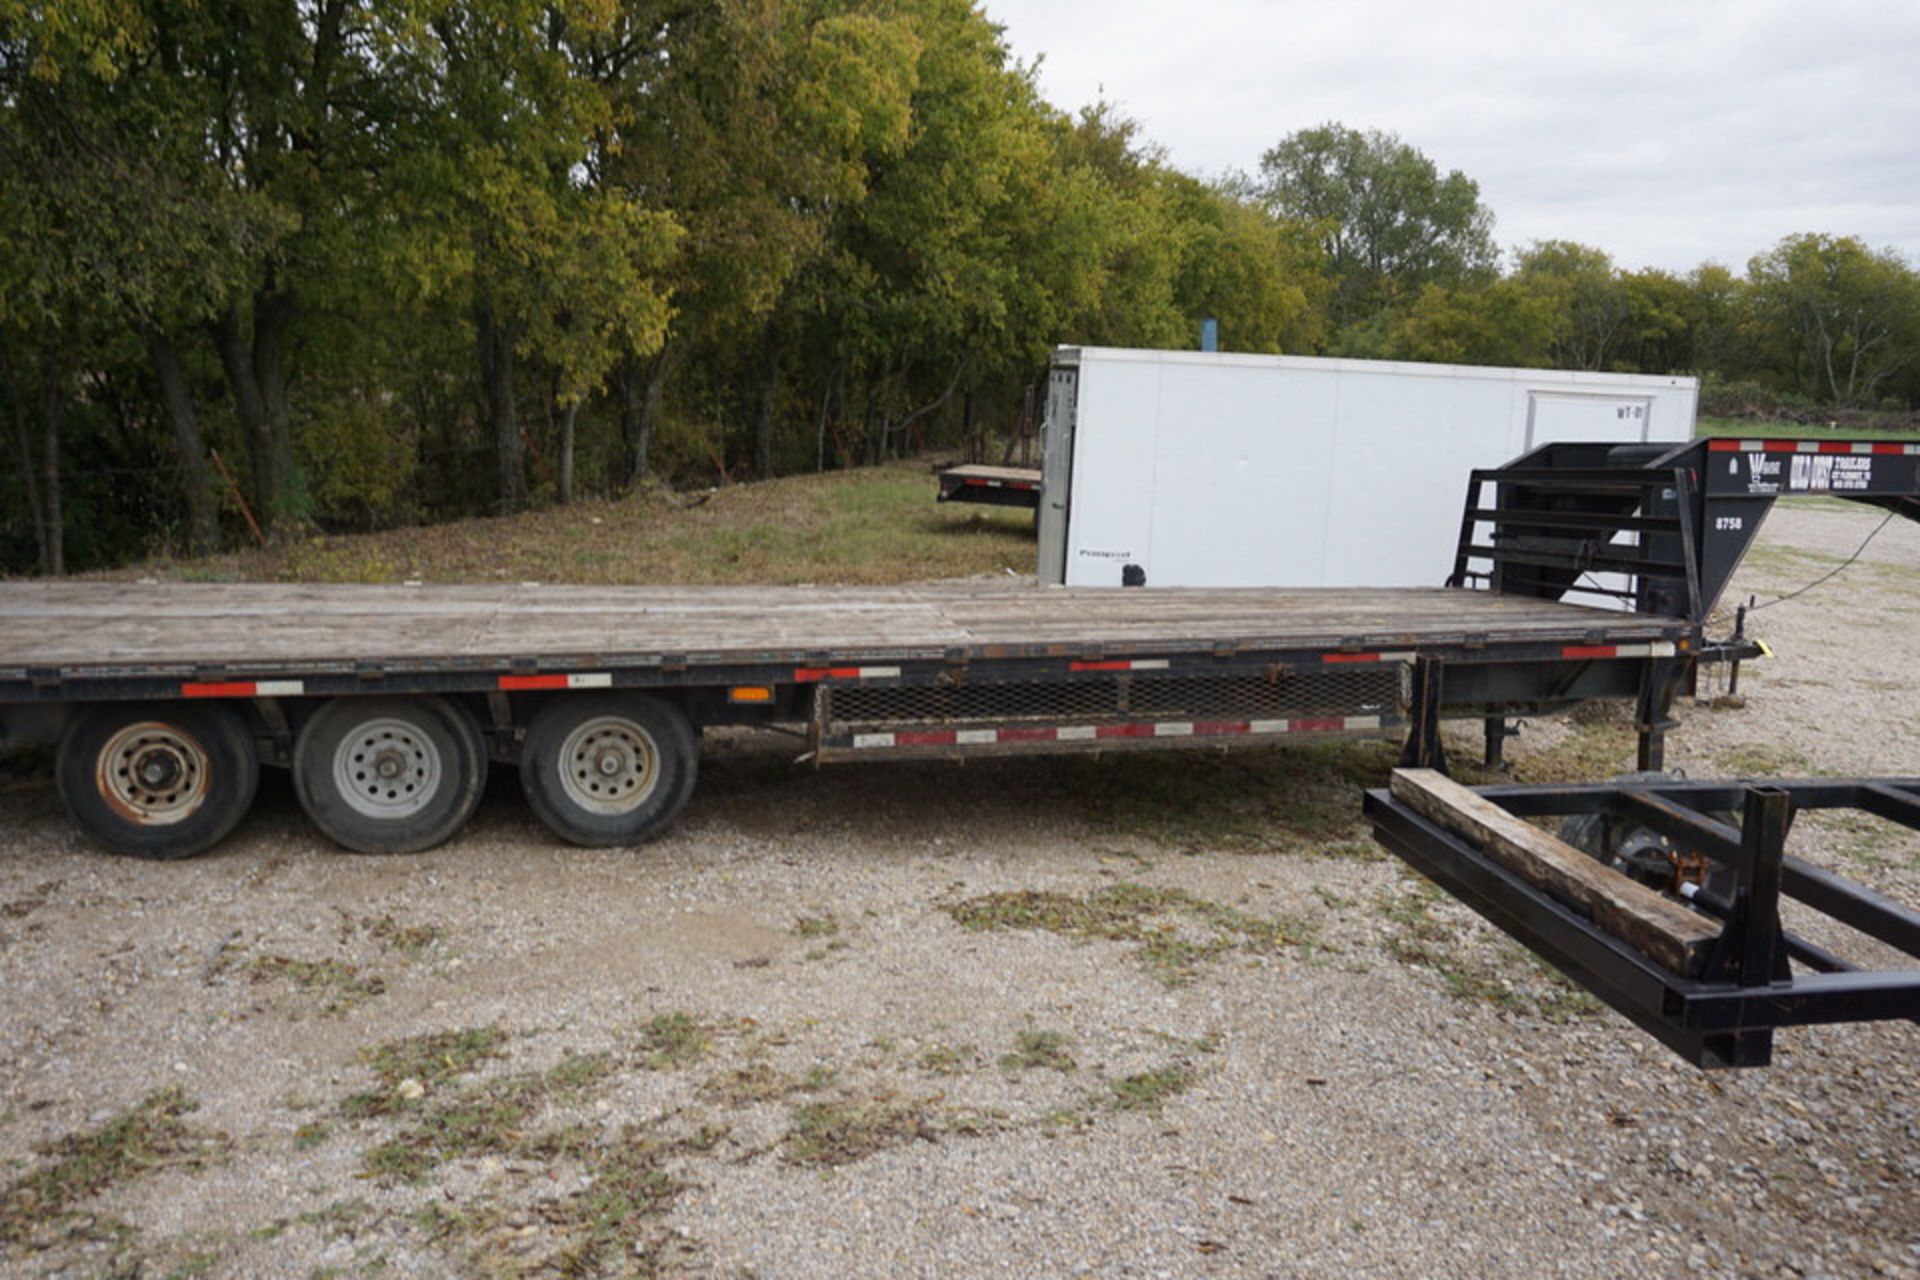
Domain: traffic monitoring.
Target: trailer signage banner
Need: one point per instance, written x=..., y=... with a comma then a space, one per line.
x=1772, y=467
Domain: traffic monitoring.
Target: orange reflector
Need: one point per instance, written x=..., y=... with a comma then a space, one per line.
x=750, y=693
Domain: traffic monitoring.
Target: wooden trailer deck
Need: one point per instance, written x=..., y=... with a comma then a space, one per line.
x=73, y=628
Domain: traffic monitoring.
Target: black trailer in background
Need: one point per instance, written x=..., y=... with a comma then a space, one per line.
x=993, y=486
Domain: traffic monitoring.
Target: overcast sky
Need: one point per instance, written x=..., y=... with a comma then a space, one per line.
x=1666, y=133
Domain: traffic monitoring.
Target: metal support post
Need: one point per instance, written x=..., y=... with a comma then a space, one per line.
x=1423, y=749
x=1766, y=815
x=1653, y=713
x=1495, y=756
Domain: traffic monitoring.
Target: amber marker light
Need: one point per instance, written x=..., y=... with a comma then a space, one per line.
x=750, y=693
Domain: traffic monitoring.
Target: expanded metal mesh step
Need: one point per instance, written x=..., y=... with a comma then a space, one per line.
x=1356, y=691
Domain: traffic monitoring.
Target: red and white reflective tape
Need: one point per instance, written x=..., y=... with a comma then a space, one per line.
x=576, y=680
x=1893, y=447
x=1110, y=732
x=1365, y=657
x=1120, y=664
x=244, y=689
x=999, y=484
x=1658, y=649
x=806, y=675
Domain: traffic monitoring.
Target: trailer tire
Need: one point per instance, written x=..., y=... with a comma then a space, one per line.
x=389, y=775
x=603, y=770
x=158, y=780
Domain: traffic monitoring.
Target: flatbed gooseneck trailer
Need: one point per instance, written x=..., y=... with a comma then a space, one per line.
x=388, y=703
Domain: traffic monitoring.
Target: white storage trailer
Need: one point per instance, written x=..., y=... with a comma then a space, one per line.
x=1202, y=469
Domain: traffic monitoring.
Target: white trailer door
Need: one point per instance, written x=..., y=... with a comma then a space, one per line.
x=1577, y=417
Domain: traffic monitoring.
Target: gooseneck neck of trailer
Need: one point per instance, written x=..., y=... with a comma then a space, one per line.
x=1657, y=528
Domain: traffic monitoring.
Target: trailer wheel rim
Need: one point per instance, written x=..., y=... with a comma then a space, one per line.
x=387, y=768
x=154, y=774
x=609, y=765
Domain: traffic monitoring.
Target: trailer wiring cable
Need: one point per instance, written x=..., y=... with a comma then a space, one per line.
x=1831, y=573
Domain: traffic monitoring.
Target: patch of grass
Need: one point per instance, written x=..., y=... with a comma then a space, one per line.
x=1300, y=799
x=1063, y=1119
x=200, y=1263
x=311, y=1134
x=850, y=1127
x=489, y=1117
x=748, y=1085
x=1599, y=743
x=430, y=1060
x=1149, y=1090
x=867, y=525
x=815, y=927
x=338, y=1217
x=411, y=941
x=1762, y=760
x=340, y=986
x=1512, y=979
x=1038, y=1049
x=1751, y=430
x=949, y=1059
x=671, y=1040
x=1173, y=932
x=611, y=1226
x=150, y=1135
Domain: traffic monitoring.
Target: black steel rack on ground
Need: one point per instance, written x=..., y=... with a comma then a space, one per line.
x=1714, y=978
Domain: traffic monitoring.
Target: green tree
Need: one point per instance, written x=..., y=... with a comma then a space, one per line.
x=1658, y=335
x=1388, y=221
x=1264, y=280
x=1842, y=319
x=1589, y=301
x=1716, y=307
x=1504, y=322
x=497, y=158
x=114, y=220
x=753, y=123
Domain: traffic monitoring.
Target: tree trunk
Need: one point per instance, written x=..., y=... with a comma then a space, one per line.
x=640, y=400
x=568, y=412
x=53, y=407
x=633, y=426
x=820, y=428
x=29, y=471
x=272, y=315
x=769, y=401
x=247, y=405
x=496, y=387
x=202, y=517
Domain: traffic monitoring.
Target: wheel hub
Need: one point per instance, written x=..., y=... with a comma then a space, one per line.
x=609, y=765
x=153, y=774
x=387, y=768
x=157, y=767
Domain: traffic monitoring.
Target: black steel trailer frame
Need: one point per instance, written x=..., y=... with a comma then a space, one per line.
x=900, y=674
x=1727, y=1015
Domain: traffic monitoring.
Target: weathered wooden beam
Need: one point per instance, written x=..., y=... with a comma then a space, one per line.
x=1652, y=924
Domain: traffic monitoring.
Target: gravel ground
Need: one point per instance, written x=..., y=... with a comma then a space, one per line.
x=805, y=1034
